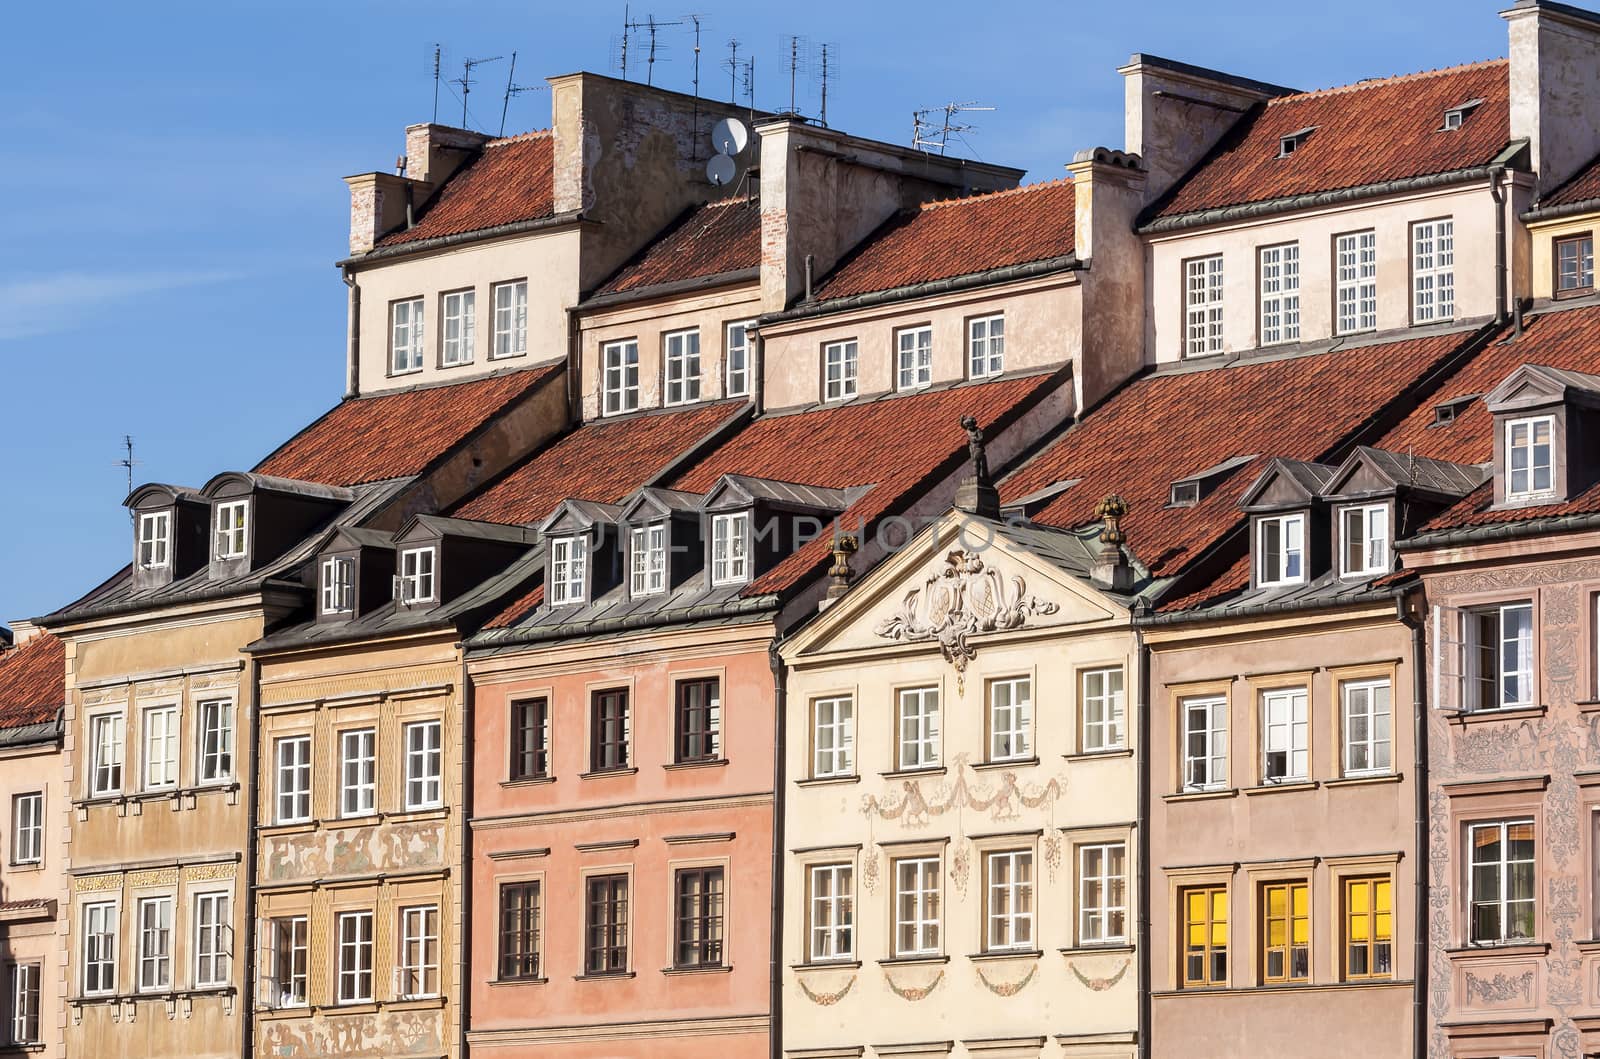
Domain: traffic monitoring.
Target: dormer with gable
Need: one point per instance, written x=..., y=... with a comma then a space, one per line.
x=661, y=534
x=1289, y=534
x=752, y=524
x=256, y=518
x=1546, y=429
x=1377, y=496
x=170, y=527
x=438, y=559
x=583, y=557
x=355, y=573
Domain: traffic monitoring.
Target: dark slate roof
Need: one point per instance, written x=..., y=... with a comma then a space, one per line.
x=1424, y=473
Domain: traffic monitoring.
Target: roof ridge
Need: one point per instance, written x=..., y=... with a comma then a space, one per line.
x=1376, y=82
x=990, y=196
x=521, y=137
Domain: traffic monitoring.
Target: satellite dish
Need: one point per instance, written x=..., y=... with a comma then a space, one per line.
x=729, y=136
x=720, y=170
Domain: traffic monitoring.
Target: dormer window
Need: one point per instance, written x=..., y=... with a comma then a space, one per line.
x=648, y=548
x=730, y=564
x=1281, y=550
x=1529, y=463
x=1446, y=412
x=232, y=519
x=1184, y=494
x=338, y=584
x=155, y=540
x=568, y=559
x=1456, y=117
x=1364, y=544
x=417, y=575
x=1292, y=142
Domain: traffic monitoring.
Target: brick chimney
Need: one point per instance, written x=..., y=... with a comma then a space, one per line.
x=1555, y=86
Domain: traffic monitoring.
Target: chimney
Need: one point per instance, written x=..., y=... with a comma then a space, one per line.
x=382, y=202
x=22, y=631
x=1555, y=87
x=976, y=495
x=1108, y=191
x=435, y=152
x=1173, y=113
x=1111, y=569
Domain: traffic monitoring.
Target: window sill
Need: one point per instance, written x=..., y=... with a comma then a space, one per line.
x=1091, y=755
x=1521, y=948
x=27, y=866
x=353, y=1007
x=291, y=1011
x=913, y=961
x=1001, y=955
x=1281, y=788
x=1518, y=713
x=497, y=982
x=610, y=976
x=708, y=763
x=413, y=1003
x=1201, y=795
x=1362, y=780
x=531, y=781
x=927, y=770
x=600, y=774
x=1590, y=945
x=826, y=781
x=721, y=968
x=1004, y=763
x=292, y=827
x=1571, y=292
x=1120, y=946
x=364, y=820
x=827, y=965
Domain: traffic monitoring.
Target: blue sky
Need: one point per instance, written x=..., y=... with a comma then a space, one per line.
x=171, y=204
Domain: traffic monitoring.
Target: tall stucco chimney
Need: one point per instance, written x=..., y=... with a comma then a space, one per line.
x=1555, y=86
x=1108, y=191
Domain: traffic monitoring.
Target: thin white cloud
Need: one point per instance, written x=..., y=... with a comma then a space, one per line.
x=63, y=301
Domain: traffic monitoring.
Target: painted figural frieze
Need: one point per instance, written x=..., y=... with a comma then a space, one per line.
x=355, y=850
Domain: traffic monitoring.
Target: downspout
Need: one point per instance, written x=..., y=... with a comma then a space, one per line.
x=1419, y=685
x=1143, y=871
x=760, y=382
x=247, y=785
x=574, y=369
x=464, y=886
x=352, y=342
x=1498, y=194
x=775, y=969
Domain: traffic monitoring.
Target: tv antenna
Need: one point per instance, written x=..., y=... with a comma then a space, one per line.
x=514, y=89
x=827, y=67
x=737, y=69
x=128, y=463
x=437, y=52
x=466, y=82
x=799, y=62
x=694, y=20
x=932, y=127
x=653, y=26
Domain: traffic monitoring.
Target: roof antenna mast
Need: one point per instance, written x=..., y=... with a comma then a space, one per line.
x=128, y=463
x=437, y=51
x=466, y=82
x=828, y=67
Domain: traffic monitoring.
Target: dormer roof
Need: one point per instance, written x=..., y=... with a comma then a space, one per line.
x=573, y=515
x=1403, y=472
x=1538, y=385
x=274, y=484
x=743, y=490
x=343, y=537
x=1287, y=483
x=465, y=529
x=652, y=503
x=161, y=494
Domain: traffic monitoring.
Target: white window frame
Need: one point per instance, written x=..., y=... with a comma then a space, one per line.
x=647, y=551
x=213, y=933
x=840, y=364
x=680, y=366
x=619, y=383
x=1006, y=928
x=418, y=583
x=27, y=828
x=1523, y=676
x=913, y=357
x=291, y=763
x=215, y=741
x=1285, y=729
x=569, y=561
x=1103, y=695
x=510, y=301
x=155, y=540
x=730, y=548
x=986, y=346
x=458, y=332
x=916, y=906
x=105, y=747
x=232, y=529
x=1359, y=701
x=1205, y=761
x=406, y=319
x=286, y=963
x=1203, y=306
x=1503, y=869
x=338, y=584
x=736, y=358
x=101, y=922
x=159, y=739
x=833, y=736
x=353, y=979
x=1011, y=722
x=1433, y=282
x=1102, y=876
x=1279, y=271
x=1291, y=552
x=917, y=725
x=1531, y=450
x=27, y=996
x=154, y=924
x=1355, y=298
x=358, y=772
x=1371, y=529
x=830, y=918
x=424, y=778
x=419, y=953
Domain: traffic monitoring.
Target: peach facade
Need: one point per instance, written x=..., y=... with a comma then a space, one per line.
x=642, y=825
x=31, y=886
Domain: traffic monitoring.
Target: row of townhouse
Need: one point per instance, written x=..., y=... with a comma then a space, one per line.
x=876, y=609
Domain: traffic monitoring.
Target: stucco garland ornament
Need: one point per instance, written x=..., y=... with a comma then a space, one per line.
x=913, y=993
x=1100, y=985
x=962, y=599
x=826, y=999
x=1006, y=989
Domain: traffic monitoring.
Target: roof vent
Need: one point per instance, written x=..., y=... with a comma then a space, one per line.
x=1292, y=142
x=1446, y=412
x=1187, y=492
x=1456, y=116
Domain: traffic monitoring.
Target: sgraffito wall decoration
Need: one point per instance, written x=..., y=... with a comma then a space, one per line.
x=355, y=850
x=354, y=1036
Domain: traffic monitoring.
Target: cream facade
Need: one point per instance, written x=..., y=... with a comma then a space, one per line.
x=960, y=838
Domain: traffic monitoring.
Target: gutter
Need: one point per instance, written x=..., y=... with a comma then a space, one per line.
x=952, y=284
x=1566, y=209
x=775, y=923
x=1143, y=868
x=1419, y=972
x=732, y=608
x=1502, y=531
x=672, y=287
x=440, y=242
x=1181, y=617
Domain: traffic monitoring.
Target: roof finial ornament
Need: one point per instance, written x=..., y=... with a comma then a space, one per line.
x=839, y=574
x=1111, y=568
x=977, y=495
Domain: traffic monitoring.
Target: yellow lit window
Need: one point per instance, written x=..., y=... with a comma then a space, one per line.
x=1368, y=928
x=1205, y=951
x=1286, y=932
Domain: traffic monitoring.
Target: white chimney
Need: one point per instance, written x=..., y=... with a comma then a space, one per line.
x=1555, y=86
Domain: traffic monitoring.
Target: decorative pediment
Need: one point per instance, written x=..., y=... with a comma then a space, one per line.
x=1536, y=386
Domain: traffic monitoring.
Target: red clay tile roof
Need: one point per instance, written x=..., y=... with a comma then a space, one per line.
x=892, y=444
x=511, y=180
x=517, y=609
x=604, y=461
x=960, y=237
x=367, y=439
x=1366, y=133
x=712, y=239
x=1582, y=187
x=33, y=682
x=1165, y=427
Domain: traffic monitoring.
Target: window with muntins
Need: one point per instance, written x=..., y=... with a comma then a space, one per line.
x=1008, y=900
x=358, y=772
x=915, y=357
x=1368, y=928
x=1284, y=736
x=833, y=737
x=100, y=948
x=1279, y=268
x=1364, y=540
x=610, y=727
x=1502, y=883
x=1205, y=744
x=698, y=922
x=1102, y=893
x=1529, y=457
x=831, y=913
x=213, y=933
x=24, y=995
x=619, y=384
x=405, y=336
x=419, y=952
x=1285, y=932
x=155, y=943
x=1368, y=734
x=1202, y=306
x=647, y=548
x=699, y=720
x=293, y=766
x=519, y=930
x=416, y=575
x=338, y=584
x=1499, y=656
x=736, y=359
x=1205, y=936
x=232, y=520
x=155, y=540
x=730, y=562
x=160, y=748
x=986, y=346
x=1010, y=719
x=288, y=978
x=105, y=744
x=354, y=979
x=918, y=721
x=1433, y=263
x=606, y=933
x=1574, y=264
x=424, y=783
x=1104, y=709
x=839, y=371
x=510, y=319
x=457, y=343
x=216, y=741
x=681, y=356
x=530, y=739
x=1355, y=282
x=1281, y=550
x=916, y=906
x=568, y=570
x=27, y=828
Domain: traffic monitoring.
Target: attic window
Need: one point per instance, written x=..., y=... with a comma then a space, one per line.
x=568, y=557
x=1184, y=494
x=1455, y=117
x=1187, y=492
x=1446, y=412
x=155, y=540
x=729, y=551
x=1293, y=141
x=416, y=575
x=338, y=584
x=648, y=545
x=231, y=526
